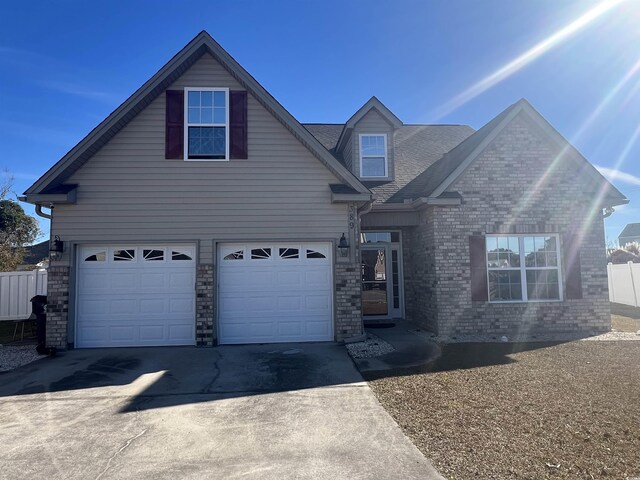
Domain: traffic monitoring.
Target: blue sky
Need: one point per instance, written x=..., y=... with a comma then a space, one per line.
x=65, y=65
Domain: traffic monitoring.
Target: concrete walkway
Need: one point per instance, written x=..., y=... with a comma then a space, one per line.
x=411, y=350
x=261, y=412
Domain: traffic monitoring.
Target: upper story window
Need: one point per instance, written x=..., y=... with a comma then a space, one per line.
x=207, y=124
x=373, y=156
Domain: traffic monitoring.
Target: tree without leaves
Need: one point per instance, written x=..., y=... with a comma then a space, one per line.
x=6, y=184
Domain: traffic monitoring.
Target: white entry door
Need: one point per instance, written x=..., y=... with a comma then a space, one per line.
x=135, y=295
x=275, y=292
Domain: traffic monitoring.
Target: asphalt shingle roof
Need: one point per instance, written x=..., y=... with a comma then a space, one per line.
x=417, y=147
x=631, y=230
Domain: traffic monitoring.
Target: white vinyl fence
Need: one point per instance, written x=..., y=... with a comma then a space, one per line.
x=16, y=291
x=624, y=283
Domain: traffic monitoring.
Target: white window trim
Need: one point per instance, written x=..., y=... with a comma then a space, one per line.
x=523, y=269
x=386, y=154
x=186, y=123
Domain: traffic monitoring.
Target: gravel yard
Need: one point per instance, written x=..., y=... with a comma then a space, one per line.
x=373, y=346
x=14, y=356
x=529, y=411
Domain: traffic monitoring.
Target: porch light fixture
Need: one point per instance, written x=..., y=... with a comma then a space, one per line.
x=55, y=248
x=343, y=246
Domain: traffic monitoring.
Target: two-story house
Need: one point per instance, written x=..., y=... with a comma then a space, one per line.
x=201, y=212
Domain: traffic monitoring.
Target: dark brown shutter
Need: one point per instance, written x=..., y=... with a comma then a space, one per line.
x=238, y=124
x=174, y=134
x=573, y=276
x=478, y=258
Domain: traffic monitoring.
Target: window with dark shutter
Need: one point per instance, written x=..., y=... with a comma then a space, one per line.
x=478, y=262
x=573, y=274
x=174, y=133
x=238, y=124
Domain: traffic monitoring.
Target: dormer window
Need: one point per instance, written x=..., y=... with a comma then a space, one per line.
x=206, y=131
x=373, y=156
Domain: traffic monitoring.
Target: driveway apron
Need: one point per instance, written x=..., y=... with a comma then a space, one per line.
x=256, y=411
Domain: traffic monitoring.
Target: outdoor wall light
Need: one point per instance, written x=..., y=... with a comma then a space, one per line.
x=343, y=247
x=55, y=248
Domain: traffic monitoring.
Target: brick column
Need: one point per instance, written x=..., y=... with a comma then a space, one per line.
x=205, y=329
x=57, y=306
x=348, y=301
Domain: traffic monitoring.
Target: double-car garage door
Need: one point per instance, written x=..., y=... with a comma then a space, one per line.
x=145, y=295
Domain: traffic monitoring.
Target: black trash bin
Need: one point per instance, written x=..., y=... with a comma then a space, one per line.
x=39, y=312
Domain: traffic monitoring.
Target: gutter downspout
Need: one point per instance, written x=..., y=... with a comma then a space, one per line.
x=366, y=208
x=40, y=213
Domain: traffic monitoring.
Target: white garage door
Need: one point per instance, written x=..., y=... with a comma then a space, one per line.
x=275, y=292
x=135, y=296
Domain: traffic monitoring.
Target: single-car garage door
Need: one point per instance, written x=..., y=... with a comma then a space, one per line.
x=135, y=296
x=275, y=292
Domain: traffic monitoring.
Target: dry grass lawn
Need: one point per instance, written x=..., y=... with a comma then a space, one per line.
x=524, y=411
x=625, y=318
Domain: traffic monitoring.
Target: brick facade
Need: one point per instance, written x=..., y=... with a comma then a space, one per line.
x=205, y=305
x=515, y=186
x=57, y=306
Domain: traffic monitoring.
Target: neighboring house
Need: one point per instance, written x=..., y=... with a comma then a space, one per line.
x=35, y=256
x=630, y=234
x=200, y=212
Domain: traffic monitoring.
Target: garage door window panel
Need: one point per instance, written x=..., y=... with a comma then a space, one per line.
x=127, y=255
x=96, y=257
x=314, y=254
x=289, y=253
x=237, y=255
x=180, y=256
x=260, y=253
x=153, y=255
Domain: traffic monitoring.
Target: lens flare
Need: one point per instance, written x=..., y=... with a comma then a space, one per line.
x=527, y=57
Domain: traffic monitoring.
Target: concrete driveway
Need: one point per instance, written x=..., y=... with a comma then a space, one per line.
x=259, y=411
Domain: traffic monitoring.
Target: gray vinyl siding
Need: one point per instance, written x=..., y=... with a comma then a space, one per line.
x=129, y=192
x=372, y=123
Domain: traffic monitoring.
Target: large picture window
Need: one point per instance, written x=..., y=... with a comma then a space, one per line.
x=523, y=268
x=207, y=124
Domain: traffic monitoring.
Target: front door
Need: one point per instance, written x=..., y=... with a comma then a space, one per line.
x=381, y=281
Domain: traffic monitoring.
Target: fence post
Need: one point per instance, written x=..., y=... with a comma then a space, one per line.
x=612, y=294
x=633, y=284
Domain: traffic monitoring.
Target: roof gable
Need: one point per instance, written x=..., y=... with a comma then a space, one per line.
x=630, y=230
x=169, y=73
x=416, y=148
x=372, y=104
x=437, y=178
